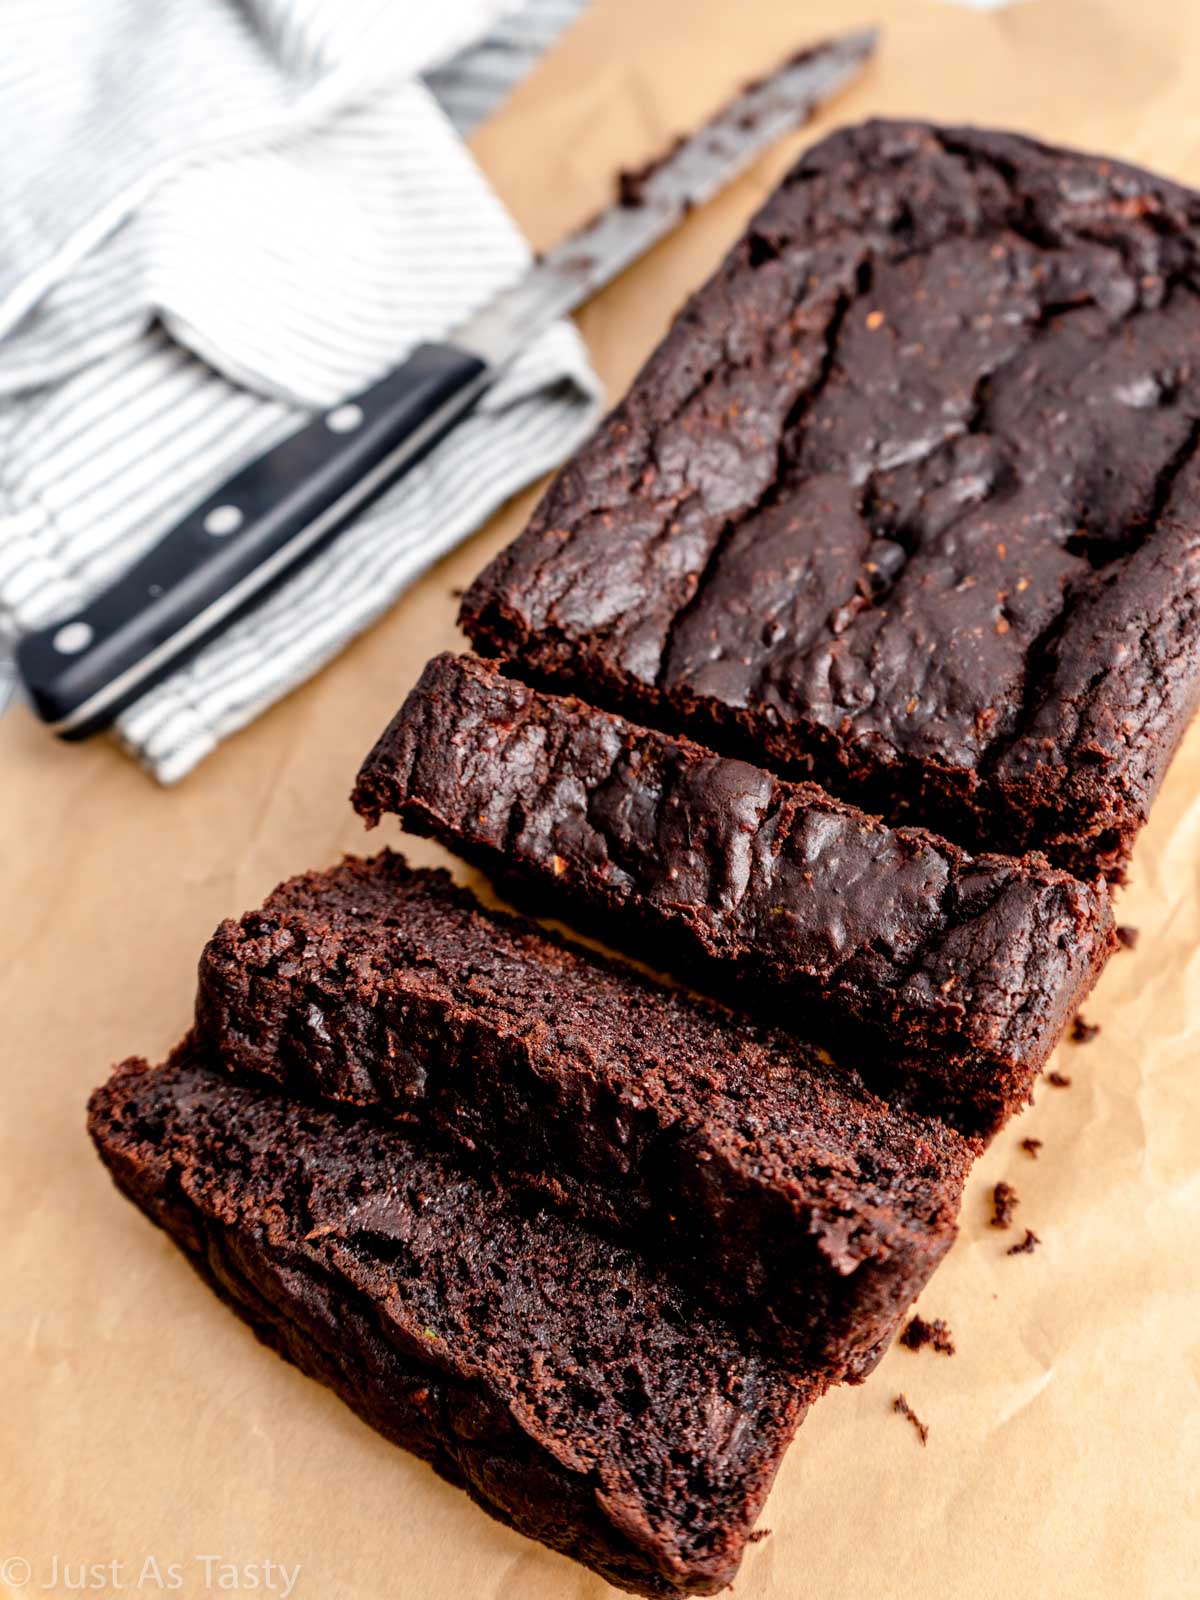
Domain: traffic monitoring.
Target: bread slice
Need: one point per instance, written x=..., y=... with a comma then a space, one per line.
x=578, y=1395
x=898, y=950
x=794, y=1199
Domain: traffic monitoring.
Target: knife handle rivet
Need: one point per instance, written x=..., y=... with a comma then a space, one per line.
x=344, y=419
x=222, y=520
x=73, y=637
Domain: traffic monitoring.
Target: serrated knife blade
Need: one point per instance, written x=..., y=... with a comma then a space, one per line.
x=653, y=202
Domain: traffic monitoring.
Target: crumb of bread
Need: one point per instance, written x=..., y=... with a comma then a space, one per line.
x=1004, y=1205
x=901, y=1405
x=1027, y=1245
x=919, y=1333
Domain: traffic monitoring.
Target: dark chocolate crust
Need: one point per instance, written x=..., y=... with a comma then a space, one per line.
x=897, y=949
x=777, y=1187
x=575, y=1394
x=908, y=500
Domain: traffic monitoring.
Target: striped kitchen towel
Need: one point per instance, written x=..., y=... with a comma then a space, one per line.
x=221, y=215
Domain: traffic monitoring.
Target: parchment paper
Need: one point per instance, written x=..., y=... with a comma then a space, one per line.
x=139, y=1422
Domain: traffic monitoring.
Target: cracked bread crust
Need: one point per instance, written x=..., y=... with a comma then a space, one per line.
x=949, y=977
x=780, y=1189
x=908, y=500
x=577, y=1395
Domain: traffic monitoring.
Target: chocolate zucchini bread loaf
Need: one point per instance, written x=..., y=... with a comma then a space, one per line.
x=947, y=977
x=779, y=1189
x=577, y=1395
x=909, y=498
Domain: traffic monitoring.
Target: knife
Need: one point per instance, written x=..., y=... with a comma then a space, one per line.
x=276, y=512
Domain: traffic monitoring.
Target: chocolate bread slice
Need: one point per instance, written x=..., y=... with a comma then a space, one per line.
x=947, y=977
x=577, y=1395
x=780, y=1190
x=908, y=500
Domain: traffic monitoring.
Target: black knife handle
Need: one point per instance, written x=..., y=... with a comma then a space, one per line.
x=231, y=550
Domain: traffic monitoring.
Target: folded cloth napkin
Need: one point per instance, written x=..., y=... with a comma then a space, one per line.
x=221, y=215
